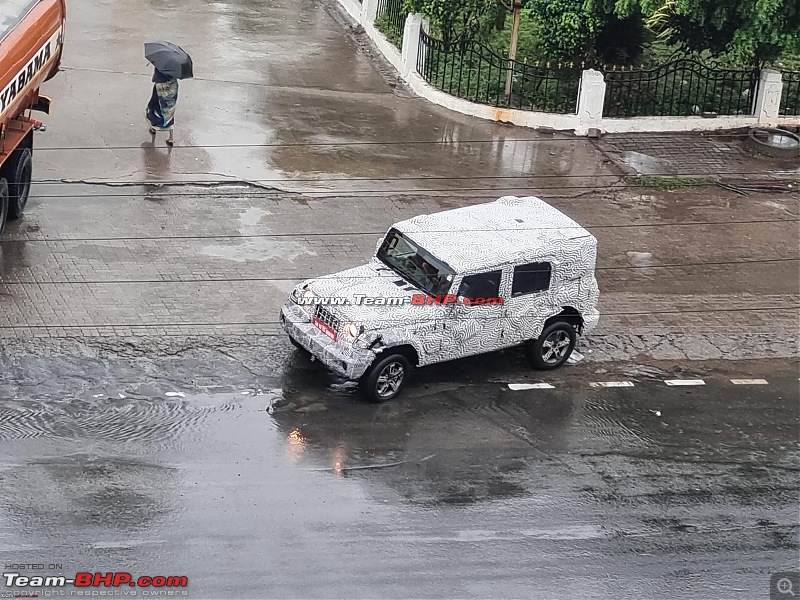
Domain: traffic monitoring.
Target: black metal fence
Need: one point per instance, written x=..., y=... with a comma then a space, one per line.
x=790, y=96
x=390, y=20
x=473, y=72
x=678, y=88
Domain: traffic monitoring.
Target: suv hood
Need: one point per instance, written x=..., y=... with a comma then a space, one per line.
x=374, y=281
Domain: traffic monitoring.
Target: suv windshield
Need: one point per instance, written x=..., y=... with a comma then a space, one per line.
x=415, y=264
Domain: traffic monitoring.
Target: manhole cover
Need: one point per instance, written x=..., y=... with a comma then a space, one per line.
x=774, y=142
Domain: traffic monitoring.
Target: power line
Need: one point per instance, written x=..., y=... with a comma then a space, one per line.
x=234, y=181
x=764, y=309
x=439, y=142
x=243, y=236
x=366, y=277
x=267, y=193
x=404, y=178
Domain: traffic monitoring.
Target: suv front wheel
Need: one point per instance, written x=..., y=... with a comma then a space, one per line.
x=553, y=347
x=386, y=377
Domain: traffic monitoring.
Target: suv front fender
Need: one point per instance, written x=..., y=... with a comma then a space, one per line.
x=383, y=343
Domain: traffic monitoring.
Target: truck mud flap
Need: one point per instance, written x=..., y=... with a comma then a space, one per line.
x=42, y=105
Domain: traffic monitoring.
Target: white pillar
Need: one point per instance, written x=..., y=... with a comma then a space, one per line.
x=369, y=11
x=768, y=98
x=591, y=98
x=410, y=49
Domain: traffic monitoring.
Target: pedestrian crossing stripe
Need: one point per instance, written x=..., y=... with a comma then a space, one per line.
x=677, y=382
x=530, y=386
x=626, y=384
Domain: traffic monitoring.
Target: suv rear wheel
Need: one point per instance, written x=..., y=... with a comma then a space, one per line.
x=385, y=379
x=553, y=347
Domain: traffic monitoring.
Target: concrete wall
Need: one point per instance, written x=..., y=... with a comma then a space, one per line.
x=591, y=97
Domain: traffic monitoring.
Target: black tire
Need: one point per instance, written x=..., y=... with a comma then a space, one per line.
x=386, y=378
x=553, y=347
x=18, y=171
x=3, y=204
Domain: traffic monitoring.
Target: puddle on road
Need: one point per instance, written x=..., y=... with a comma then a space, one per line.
x=58, y=493
x=256, y=248
x=148, y=424
x=644, y=164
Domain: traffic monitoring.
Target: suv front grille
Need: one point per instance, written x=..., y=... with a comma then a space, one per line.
x=326, y=316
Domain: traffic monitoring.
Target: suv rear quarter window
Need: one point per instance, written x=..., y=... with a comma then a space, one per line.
x=481, y=285
x=531, y=278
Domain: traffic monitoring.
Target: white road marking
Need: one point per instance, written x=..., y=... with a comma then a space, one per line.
x=749, y=382
x=673, y=382
x=530, y=386
x=611, y=384
x=175, y=395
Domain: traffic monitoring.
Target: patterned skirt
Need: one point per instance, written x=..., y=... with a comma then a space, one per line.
x=161, y=108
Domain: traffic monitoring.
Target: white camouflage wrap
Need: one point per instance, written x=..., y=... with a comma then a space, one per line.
x=488, y=237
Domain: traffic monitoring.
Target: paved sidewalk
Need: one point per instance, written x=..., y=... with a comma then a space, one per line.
x=692, y=154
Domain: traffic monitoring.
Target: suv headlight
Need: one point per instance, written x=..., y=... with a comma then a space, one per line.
x=303, y=297
x=351, y=331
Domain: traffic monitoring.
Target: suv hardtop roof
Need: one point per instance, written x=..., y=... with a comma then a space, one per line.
x=508, y=230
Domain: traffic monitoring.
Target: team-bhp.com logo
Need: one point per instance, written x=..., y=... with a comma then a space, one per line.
x=414, y=300
x=95, y=580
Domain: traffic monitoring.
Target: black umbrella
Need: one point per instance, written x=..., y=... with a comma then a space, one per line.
x=171, y=60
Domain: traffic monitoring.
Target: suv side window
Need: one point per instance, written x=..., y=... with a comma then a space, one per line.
x=530, y=278
x=481, y=285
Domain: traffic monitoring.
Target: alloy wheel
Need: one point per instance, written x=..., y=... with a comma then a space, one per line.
x=555, y=346
x=390, y=379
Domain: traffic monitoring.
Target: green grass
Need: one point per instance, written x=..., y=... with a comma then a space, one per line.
x=386, y=27
x=668, y=183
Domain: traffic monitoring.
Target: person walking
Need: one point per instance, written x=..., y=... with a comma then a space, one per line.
x=161, y=108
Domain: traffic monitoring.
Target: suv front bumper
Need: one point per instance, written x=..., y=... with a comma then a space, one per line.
x=346, y=359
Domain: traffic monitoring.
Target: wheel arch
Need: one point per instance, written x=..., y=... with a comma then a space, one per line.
x=571, y=315
x=407, y=349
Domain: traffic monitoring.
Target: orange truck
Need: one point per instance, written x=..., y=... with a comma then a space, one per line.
x=31, y=42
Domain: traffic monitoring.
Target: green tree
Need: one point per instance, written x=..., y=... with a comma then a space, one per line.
x=748, y=31
x=457, y=20
x=566, y=29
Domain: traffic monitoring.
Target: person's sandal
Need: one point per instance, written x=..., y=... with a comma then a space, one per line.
x=151, y=130
x=170, y=143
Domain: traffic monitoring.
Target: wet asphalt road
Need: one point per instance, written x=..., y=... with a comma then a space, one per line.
x=259, y=475
x=151, y=421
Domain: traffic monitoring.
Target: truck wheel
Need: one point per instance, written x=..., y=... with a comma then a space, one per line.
x=553, y=347
x=3, y=204
x=385, y=379
x=20, y=169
